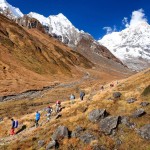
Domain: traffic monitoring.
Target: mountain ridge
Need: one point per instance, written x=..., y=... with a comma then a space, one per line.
x=130, y=45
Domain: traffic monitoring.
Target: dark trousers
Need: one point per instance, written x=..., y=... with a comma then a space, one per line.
x=36, y=123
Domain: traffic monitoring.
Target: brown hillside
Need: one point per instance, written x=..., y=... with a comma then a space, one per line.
x=26, y=62
x=73, y=115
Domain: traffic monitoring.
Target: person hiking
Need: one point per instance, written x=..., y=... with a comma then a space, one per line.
x=72, y=97
x=37, y=118
x=82, y=94
x=49, y=111
x=58, y=106
x=12, y=132
x=102, y=88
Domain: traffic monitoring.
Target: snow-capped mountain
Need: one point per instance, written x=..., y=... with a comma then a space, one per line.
x=131, y=45
x=59, y=26
x=9, y=11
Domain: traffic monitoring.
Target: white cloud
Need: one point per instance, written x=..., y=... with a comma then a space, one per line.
x=109, y=29
x=137, y=17
x=125, y=22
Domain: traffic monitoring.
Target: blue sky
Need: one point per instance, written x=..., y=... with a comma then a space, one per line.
x=88, y=15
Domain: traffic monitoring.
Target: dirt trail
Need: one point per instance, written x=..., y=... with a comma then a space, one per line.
x=31, y=94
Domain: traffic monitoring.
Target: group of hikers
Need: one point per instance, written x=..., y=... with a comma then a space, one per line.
x=48, y=110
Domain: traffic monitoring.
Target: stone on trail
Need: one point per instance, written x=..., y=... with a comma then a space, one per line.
x=97, y=114
x=117, y=94
x=144, y=104
x=144, y=132
x=87, y=138
x=131, y=100
x=77, y=132
x=138, y=113
x=108, y=124
x=41, y=143
x=51, y=145
x=60, y=133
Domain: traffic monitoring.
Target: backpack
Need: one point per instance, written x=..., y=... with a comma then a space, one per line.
x=16, y=124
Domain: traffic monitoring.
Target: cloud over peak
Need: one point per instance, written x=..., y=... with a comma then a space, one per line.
x=138, y=16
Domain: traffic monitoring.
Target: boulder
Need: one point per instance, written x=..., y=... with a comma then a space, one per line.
x=41, y=143
x=60, y=133
x=51, y=145
x=126, y=121
x=144, y=104
x=131, y=100
x=98, y=147
x=138, y=113
x=87, y=138
x=77, y=132
x=117, y=94
x=108, y=124
x=144, y=132
x=97, y=115
x=146, y=91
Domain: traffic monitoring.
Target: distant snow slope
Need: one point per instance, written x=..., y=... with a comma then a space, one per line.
x=131, y=45
x=59, y=26
x=62, y=29
x=9, y=11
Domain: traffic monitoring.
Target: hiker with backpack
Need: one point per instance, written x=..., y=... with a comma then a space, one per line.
x=82, y=94
x=49, y=111
x=58, y=106
x=72, y=97
x=37, y=118
x=14, y=125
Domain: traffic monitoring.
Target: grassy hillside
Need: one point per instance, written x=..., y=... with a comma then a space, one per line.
x=73, y=115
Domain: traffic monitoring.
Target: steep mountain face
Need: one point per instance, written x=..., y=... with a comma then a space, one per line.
x=9, y=11
x=62, y=29
x=131, y=45
x=28, y=61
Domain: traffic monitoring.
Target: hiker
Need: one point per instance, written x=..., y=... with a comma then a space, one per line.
x=58, y=106
x=37, y=118
x=12, y=132
x=72, y=97
x=49, y=111
x=111, y=85
x=102, y=88
x=82, y=94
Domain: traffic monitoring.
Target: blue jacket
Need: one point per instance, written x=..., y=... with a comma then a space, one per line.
x=37, y=116
x=13, y=124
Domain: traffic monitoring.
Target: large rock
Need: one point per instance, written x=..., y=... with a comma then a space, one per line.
x=97, y=115
x=87, y=138
x=117, y=94
x=51, y=145
x=138, y=113
x=126, y=121
x=144, y=104
x=41, y=143
x=77, y=132
x=60, y=133
x=98, y=147
x=131, y=100
x=144, y=132
x=108, y=124
x=146, y=91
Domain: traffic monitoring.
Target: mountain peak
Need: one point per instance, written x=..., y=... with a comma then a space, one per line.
x=13, y=11
x=130, y=45
x=3, y=1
